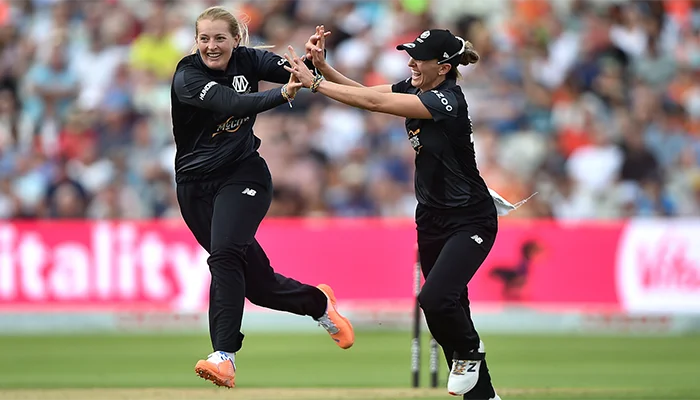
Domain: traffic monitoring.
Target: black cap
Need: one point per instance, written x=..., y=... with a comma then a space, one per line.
x=435, y=44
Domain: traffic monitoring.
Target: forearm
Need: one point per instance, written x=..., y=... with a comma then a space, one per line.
x=353, y=96
x=332, y=75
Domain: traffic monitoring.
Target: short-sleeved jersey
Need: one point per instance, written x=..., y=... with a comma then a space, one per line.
x=446, y=173
x=213, y=112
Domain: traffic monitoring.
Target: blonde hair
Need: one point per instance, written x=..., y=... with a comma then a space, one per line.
x=236, y=26
x=469, y=56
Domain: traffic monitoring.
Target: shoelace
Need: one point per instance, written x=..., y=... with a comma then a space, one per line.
x=328, y=325
x=459, y=367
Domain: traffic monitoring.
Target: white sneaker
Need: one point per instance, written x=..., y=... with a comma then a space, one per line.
x=495, y=398
x=465, y=374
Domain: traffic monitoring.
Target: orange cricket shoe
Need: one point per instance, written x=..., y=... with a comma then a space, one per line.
x=337, y=326
x=218, y=368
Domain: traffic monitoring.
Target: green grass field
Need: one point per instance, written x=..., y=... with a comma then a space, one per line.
x=309, y=366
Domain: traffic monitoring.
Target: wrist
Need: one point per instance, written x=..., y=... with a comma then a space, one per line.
x=322, y=68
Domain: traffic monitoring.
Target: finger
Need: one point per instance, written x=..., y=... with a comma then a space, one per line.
x=322, y=40
x=289, y=59
x=294, y=85
x=290, y=70
x=292, y=52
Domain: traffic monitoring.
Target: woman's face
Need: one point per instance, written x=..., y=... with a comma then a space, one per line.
x=425, y=75
x=215, y=43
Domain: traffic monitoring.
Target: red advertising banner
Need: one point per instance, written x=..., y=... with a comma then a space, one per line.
x=138, y=266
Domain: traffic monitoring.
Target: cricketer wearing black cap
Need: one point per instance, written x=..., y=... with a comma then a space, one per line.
x=456, y=218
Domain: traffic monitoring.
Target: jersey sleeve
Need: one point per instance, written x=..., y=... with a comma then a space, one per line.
x=270, y=66
x=441, y=104
x=401, y=87
x=195, y=88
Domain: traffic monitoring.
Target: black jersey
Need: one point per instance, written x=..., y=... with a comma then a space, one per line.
x=212, y=121
x=446, y=173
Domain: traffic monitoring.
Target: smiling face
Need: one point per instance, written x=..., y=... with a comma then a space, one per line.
x=216, y=42
x=428, y=74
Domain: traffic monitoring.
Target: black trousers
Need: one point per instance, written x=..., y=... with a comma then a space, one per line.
x=224, y=215
x=452, y=245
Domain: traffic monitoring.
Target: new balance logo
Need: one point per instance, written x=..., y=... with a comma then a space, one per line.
x=249, y=192
x=477, y=239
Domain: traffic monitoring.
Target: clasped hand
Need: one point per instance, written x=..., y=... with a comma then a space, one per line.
x=298, y=70
x=315, y=46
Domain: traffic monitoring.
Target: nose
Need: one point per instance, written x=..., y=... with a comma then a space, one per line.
x=411, y=62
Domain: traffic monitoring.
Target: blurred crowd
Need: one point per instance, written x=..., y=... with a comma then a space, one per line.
x=595, y=105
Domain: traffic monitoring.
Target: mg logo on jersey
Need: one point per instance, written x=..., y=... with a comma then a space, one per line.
x=240, y=84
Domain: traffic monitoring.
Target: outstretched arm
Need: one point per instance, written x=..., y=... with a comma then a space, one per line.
x=399, y=104
x=195, y=88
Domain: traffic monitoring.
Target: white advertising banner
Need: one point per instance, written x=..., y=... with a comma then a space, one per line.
x=658, y=266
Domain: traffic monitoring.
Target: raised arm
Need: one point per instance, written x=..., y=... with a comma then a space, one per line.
x=434, y=104
x=315, y=50
x=195, y=88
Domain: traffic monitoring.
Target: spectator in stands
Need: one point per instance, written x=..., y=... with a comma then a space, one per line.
x=547, y=67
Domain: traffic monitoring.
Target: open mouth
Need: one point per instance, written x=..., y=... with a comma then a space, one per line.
x=415, y=74
x=213, y=56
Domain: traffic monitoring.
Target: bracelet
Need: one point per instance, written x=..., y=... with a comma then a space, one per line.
x=316, y=83
x=286, y=95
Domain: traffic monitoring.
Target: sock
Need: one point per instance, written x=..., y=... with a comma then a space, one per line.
x=220, y=356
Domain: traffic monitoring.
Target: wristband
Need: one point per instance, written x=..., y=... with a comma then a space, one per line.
x=315, y=84
x=286, y=95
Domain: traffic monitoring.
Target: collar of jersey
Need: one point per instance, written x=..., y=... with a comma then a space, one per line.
x=447, y=83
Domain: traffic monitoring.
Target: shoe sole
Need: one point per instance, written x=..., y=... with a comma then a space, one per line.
x=331, y=296
x=204, y=372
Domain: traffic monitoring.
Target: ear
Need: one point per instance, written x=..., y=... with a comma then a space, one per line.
x=444, y=69
x=236, y=41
